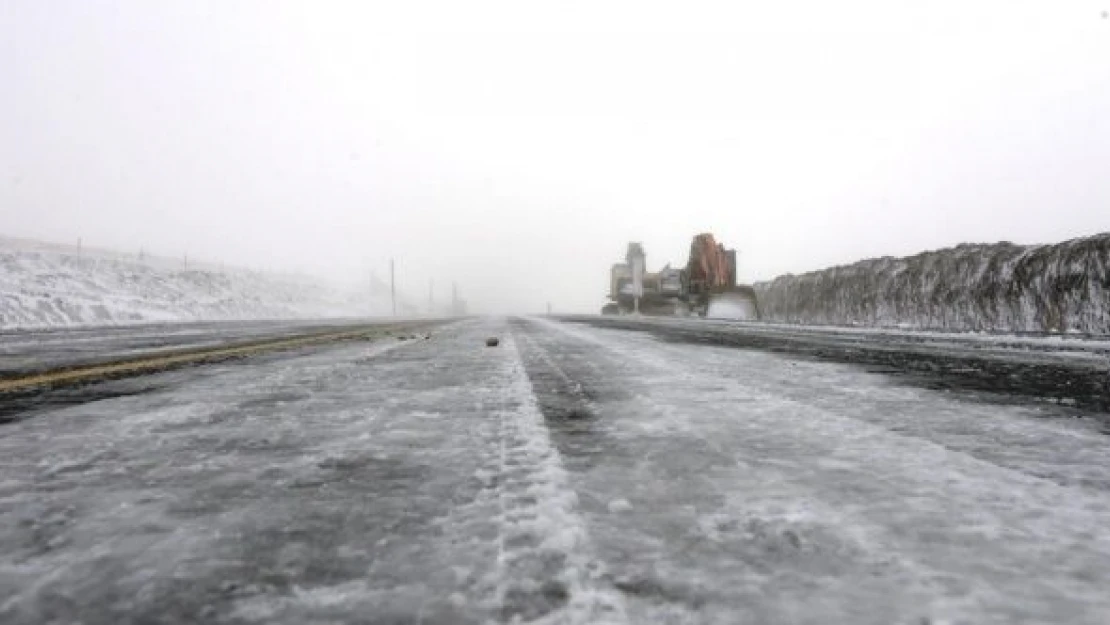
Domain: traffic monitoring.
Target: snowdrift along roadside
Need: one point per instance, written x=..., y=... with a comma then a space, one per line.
x=979, y=287
x=43, y=285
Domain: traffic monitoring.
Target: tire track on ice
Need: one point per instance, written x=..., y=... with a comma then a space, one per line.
x=546, y=567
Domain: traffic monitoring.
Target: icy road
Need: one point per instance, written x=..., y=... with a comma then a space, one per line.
x=574, y=474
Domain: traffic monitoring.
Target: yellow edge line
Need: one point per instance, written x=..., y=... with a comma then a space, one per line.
x=146, y=364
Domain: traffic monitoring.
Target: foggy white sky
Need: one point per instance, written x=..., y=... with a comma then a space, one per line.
x=517, y=146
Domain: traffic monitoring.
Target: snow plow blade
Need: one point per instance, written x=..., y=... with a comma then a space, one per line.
x=739, y=304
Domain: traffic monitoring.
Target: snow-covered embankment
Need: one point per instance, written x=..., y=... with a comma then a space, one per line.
x=997, y=287
x=44, y=285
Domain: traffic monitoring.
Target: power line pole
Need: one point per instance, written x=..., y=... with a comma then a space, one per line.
x=392, y=287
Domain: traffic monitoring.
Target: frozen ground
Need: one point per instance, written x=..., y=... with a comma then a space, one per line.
x=43, y=286
x=575, y=474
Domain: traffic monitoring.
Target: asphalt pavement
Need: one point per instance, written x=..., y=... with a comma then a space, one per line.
x=26, y=350
x=583, y=471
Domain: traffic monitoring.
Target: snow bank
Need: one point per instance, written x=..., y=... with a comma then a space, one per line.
x=997, y=287
x=42, y=285
x=732, y=306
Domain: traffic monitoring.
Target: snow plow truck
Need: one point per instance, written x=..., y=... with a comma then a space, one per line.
x=705, y=287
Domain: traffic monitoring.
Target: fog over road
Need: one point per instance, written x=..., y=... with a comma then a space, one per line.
x=587, y=470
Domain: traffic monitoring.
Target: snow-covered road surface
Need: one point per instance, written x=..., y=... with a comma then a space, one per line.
x=1066, y=370
x=46, y=348
x=572, y=475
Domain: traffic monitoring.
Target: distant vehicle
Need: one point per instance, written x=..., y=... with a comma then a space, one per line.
x=706, y=287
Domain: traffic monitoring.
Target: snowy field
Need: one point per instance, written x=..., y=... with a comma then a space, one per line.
x=44, y=286
x=574, y=474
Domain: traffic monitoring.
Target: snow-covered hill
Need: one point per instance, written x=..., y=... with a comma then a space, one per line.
x=49, y=285
x=997, y=287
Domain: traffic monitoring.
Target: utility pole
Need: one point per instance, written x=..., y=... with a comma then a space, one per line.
x=549, y=309
x=454, y=298
x=431, y=296
x=392, y=287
